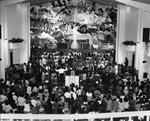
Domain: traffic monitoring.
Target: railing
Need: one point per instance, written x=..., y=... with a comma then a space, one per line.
x=118, y=116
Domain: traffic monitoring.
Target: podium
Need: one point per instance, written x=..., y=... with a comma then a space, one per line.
x=71, y=80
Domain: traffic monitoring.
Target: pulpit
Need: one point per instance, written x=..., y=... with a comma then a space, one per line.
x=71, y=80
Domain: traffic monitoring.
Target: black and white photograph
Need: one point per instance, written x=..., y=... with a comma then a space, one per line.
x=74, y=60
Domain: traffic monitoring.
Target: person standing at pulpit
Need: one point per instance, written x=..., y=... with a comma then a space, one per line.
x=61, y=73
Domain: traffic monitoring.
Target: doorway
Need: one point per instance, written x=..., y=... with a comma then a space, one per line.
x=11, y=58
x=133, y=60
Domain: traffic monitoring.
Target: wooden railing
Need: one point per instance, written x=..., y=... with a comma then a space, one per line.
x=118, y=116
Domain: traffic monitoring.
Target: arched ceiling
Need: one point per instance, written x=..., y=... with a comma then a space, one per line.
x=105, y=2
x=113, y=3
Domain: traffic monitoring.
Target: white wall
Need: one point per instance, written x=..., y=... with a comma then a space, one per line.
x=25, y=50
x=141, y=52
x=131, y=23
x=120, y=49
x=18, y=26
x=2, y=41
x=127, y=30
x=15, y=21
x=130, y=27
x=131, y=30
x=146, y=66
x=14, y=24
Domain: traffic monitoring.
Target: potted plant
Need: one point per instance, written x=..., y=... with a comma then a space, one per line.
x=14, y=43
x=130, y=45
x=16, y=40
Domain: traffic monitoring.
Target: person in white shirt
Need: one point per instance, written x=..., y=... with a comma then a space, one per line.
x=44, y=61
x=120, y=105
x=126, y=104
x=79, y=91
x=29, y=90
x=6, y=107
x=73, y=94
x=21, y=102
x=27, y=108
x=33, y=101
x=116, y=69
x=3, y=98
x=47, y=68
x=61, y=70
x=67, y=96
x=61, y=73
x=89, y=95
x=15, y=98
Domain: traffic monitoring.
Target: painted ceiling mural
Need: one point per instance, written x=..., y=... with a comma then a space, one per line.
x=75, y=22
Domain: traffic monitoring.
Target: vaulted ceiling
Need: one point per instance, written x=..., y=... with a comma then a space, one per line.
x=105, y=2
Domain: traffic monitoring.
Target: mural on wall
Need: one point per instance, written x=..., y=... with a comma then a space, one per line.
x=75, y=22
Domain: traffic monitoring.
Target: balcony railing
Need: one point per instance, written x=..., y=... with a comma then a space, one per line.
x=118, y=116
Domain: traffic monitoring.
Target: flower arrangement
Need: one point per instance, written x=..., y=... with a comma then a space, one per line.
x=16, y=40
x=129, y=42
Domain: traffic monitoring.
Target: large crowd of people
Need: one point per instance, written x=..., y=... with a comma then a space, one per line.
x=107, y=86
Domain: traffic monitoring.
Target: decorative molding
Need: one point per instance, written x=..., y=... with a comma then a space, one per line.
x=131, y=48
x=15, y=45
